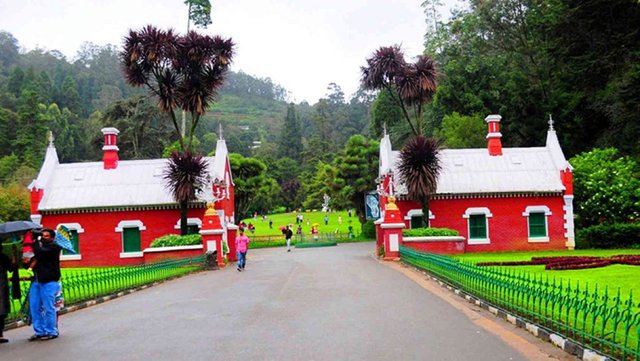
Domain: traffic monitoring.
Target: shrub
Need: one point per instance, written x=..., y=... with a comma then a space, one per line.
x=174, y=240
x=619, y=235
x=369, y=229
x=429, y=232
x=278, y=210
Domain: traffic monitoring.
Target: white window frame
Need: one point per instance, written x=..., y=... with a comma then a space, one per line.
x=72, y=227
x=537, y=209
x=477, y=211
x=136, y=223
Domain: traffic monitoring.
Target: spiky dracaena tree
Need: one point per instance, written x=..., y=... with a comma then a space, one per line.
x=411, y=86
x=185, y=174
x=183, y=72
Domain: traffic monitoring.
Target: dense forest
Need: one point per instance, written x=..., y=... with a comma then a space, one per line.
x=575, y=61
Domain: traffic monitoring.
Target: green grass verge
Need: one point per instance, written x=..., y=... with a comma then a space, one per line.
x=282, y=219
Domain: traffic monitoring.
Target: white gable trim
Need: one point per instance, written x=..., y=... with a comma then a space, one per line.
x=190, y=222
x=536, y=209
x=130, y=224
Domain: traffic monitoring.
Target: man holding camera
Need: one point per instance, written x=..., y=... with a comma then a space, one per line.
x=45, y=286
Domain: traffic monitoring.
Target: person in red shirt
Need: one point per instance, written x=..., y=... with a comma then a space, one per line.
x=242, y=245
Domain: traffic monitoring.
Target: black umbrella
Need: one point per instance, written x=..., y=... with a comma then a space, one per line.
x=16, y=227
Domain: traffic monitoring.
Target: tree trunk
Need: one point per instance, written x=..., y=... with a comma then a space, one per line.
x=425, y=210
x=184, y=227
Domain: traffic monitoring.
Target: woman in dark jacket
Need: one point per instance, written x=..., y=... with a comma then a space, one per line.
x=5, y=306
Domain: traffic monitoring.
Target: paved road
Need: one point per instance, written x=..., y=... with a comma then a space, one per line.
x=335, y=303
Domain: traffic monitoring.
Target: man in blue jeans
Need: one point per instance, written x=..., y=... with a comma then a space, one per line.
x=44, y=287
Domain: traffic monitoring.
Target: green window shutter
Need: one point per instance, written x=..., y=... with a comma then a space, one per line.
x=75, y=241
x=131, y=239
x=537, y=224
x=193, y=229
x=477, y=226
x=416, y=222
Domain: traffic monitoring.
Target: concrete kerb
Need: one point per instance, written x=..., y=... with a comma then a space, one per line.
x=96, y=301
x=567, y=345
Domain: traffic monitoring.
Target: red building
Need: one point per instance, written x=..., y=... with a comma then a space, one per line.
x=498, y=199
x=115, y=209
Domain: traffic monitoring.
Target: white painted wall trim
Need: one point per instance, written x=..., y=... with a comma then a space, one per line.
x=536, y=209
x=70, y=257
x=72, y=227
x=477, y=210
x=190, y=222
x=417, y=212
x=176, y=248
x=131, y=255
x=130, y=224
x=568, y=222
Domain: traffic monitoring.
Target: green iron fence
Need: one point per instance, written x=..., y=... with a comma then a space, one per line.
x=595, y=317
x=83, y=284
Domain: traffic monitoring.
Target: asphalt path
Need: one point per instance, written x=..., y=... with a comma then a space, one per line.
x=333, y=303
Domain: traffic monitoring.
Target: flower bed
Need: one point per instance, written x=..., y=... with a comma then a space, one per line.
x=571, y=263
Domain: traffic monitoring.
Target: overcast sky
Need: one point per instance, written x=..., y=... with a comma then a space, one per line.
x=303, y=45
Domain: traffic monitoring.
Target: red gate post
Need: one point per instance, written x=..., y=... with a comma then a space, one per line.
x=211, y=232
x=391, y=229
x=231, y=242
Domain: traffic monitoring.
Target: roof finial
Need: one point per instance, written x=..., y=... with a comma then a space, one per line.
x=384, y=129
x=550, y=122
x=220, y=131
x=50, y=138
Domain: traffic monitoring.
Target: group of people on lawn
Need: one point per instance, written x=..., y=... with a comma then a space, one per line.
x=41, y=255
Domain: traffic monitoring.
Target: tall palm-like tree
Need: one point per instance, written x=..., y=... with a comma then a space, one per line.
x=411, y=86
x=184, y=72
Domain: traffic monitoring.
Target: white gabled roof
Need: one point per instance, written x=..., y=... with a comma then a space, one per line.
x=132, y=183
x=88, y=185
x=464, y=171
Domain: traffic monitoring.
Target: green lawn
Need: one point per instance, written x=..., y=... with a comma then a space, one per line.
x=282, y=219
x=627, y=278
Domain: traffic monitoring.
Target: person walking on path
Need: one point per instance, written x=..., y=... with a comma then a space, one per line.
x=288, y=233
x=45, y=287
x=6, y=265
x=242, y=244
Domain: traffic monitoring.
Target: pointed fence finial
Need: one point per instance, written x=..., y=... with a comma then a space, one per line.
x=550, y=122
x=50, y=138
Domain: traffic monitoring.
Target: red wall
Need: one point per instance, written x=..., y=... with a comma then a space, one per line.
x=508, y=229
x=101, y=245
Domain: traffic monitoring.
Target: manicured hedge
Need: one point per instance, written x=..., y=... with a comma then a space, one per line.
x=619, y=235
x=429, y=232
x=369, y=230
x=172, y=240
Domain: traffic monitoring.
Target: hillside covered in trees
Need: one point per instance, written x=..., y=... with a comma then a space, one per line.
x=576, y=61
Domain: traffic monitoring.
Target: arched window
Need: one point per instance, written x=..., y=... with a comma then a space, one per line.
x=75, y=229
x=131, y=245
x=538, y=230
x=414, y=216
x=193, y=225
x=478, y=225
